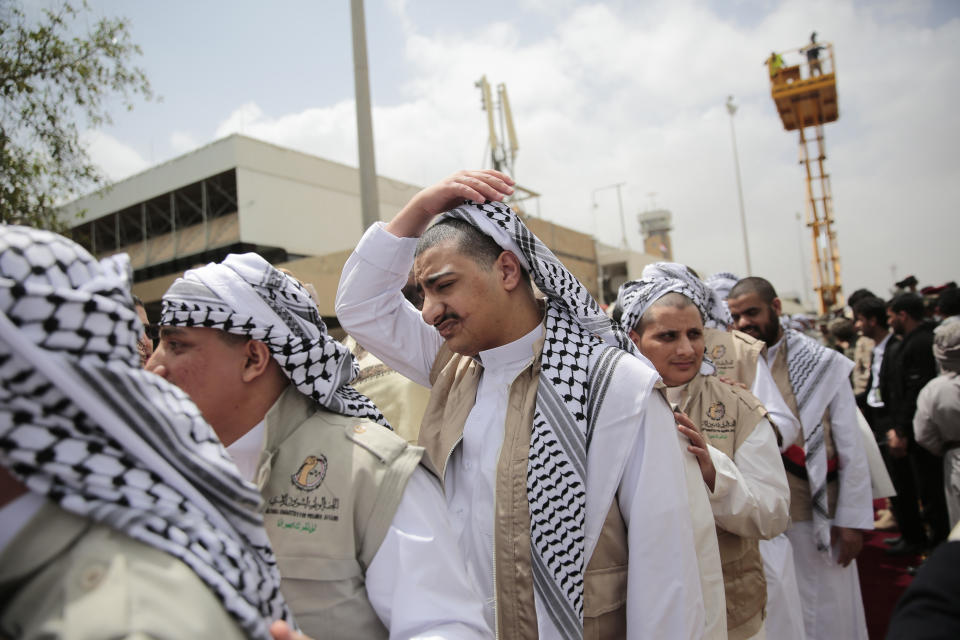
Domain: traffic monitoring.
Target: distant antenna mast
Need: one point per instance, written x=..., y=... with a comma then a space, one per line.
x=502, y=133
x=503, y=139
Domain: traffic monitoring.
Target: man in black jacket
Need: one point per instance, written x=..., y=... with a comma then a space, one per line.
x=911, y=366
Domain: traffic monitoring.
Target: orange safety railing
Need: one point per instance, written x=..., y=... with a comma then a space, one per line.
x=798, y=65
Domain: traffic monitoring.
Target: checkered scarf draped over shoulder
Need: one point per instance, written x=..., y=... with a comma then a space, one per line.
x=816, y=375
x=247, y=296
x=581, y=349
x=82, y=424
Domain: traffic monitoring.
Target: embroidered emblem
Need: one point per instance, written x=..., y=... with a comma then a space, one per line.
x=311, y=473
x=718, y=351
x=716, y=411
x=360, y=428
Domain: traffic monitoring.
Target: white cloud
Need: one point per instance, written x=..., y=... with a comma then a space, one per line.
x=624, y=93
x=182, y=142
x=116, y=159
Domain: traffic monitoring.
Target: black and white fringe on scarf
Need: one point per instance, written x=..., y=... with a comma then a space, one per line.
x=581, y=349
x=82, y=424
x=816, y=374
x=247, y=296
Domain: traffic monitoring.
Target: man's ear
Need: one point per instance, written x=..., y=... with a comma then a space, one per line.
x=256, y=360
x=635, y=337
x=776, y=305
x=510, y=270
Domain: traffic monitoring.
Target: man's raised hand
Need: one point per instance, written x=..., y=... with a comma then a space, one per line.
x=450, y=192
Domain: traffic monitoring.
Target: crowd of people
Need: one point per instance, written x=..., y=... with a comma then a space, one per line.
x=492, y=454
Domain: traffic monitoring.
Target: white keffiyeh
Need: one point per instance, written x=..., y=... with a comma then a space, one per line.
x=581, y=348
x=721, y=283
x=659, y=279
x=246, y=295
x=84, y=425
x=816, y=374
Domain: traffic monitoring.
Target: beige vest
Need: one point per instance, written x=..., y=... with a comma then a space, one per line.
x=801, y=506
x=862, y=360
x=401, y=400
x=727, y=415
x=331, y=485
x=455, y=379
x=734, y=354
x=64, y=576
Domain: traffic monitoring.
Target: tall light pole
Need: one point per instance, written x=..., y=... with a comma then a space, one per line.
x=732, y=109
x=623, y=224
x=369, y=199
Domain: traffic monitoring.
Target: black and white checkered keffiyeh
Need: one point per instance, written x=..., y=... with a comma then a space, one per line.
x=722, y=282
x=816, y=375
x=247, y=296
x=84, y=425
x=661, y=278
x=581, y=348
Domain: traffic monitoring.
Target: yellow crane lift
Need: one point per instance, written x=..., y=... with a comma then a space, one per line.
x=805, y=94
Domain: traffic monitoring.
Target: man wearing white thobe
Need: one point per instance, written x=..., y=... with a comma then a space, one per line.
x=633, y=467
x=831, y=497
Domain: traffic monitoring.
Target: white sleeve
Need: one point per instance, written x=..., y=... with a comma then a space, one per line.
x=751, y=497
x=765, y=389
x=924, y=428
x=370, y=305
x=855, y=499
x=417, y=582
x=663, y=585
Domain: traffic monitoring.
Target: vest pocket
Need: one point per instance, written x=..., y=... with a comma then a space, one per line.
x=318, y=568
x=604, y=590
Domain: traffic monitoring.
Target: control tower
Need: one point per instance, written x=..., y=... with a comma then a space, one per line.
x=655, y=227
x=804, y=88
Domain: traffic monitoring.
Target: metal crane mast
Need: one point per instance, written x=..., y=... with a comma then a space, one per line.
x=806, y=98
x=502, y=137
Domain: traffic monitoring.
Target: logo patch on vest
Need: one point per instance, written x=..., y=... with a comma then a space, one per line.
x=311, y=473
x=716, y=411
x=718, y=352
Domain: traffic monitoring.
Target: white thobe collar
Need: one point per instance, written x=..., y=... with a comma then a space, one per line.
x=772, y=349
x=513, y=356
x=675, y=395
x=245, y=451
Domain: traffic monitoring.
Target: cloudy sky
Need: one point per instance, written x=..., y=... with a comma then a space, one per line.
x=602, y=93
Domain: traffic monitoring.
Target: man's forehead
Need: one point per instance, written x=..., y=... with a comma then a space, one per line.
x=669, y=315
x=170, y=330
x=745, y=301
x=436, y=262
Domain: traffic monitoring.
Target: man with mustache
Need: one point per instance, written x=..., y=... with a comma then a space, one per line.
x=559, y=461
x=830, y=492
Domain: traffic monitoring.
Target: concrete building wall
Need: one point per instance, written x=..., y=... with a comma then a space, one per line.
x=576, y=250
x=305, y=205
x=206, y=161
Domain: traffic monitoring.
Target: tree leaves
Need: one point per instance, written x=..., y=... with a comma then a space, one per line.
x=52, y=82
